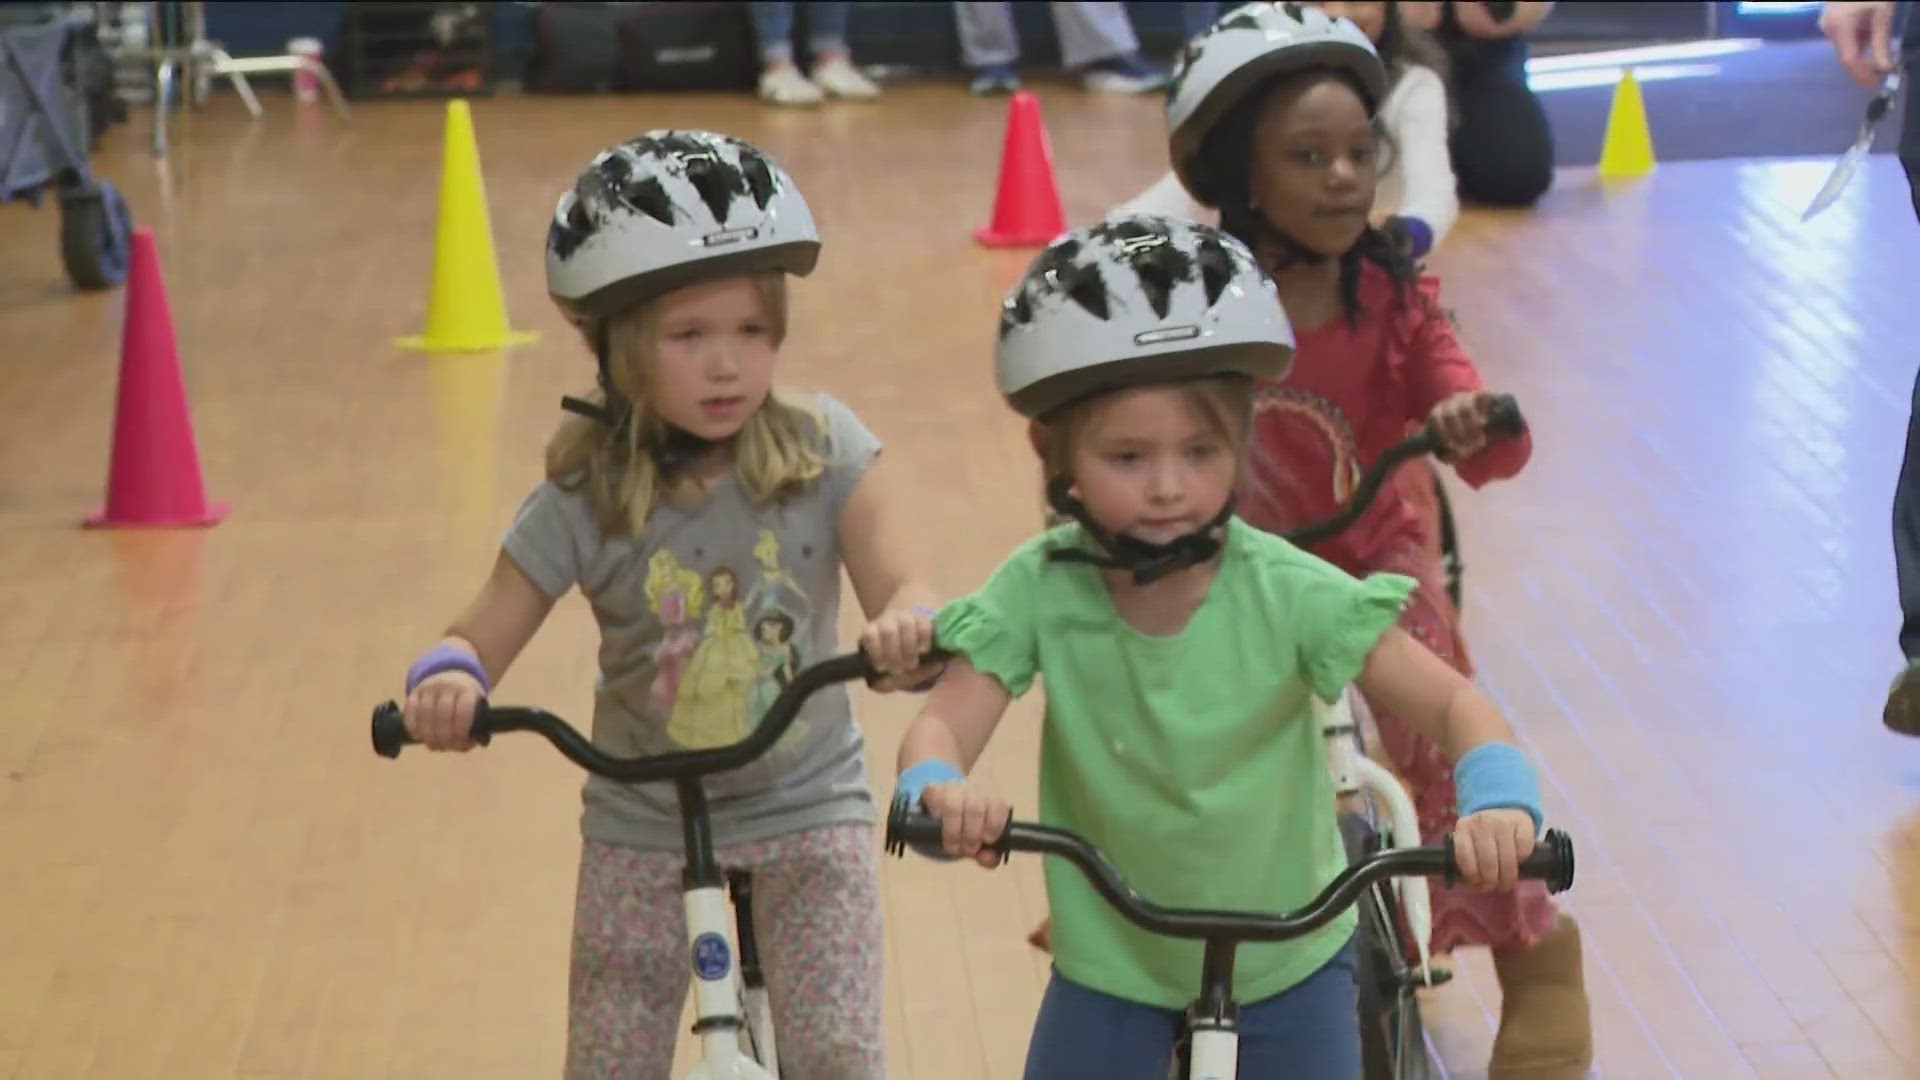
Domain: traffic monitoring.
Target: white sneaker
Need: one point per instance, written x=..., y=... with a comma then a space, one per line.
x=841, y=79
x=784, y=85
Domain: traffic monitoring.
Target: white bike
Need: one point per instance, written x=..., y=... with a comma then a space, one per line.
x=733, y=1046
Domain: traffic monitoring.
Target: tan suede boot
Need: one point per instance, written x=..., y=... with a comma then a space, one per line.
x=1546, y=1031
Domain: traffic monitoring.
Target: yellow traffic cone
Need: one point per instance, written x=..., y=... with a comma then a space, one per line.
x=466, y=312
x=1627, y=152
x=469, y=394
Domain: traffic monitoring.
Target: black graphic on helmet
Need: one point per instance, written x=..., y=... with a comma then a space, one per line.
x=1218, y=264
x=1243, y=19
x=1058, y=272
x=615, y=181
x=1145, y=247
x=1152, y=255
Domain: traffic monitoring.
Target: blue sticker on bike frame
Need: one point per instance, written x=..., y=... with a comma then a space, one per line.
x=711, y=957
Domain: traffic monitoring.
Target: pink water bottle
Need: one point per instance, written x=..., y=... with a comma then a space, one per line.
x=306, y=85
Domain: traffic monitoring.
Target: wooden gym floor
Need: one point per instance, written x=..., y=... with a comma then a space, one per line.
x=1686, y=604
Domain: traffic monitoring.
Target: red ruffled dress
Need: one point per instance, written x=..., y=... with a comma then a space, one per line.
x=1352, y=393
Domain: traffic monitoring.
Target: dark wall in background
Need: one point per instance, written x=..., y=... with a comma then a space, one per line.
x=920, y=32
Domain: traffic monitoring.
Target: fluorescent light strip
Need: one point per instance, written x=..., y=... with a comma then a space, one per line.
x=1687, y=50
x=1608, y=76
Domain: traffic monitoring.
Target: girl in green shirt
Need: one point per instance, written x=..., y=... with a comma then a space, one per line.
x=1181, y=649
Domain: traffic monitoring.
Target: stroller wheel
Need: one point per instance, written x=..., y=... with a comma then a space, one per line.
x=95, y=235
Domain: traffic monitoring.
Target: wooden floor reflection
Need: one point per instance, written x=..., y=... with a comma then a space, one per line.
x=1686, y=603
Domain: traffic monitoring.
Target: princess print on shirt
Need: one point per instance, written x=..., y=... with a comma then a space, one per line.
x=675, y=596
x=711, y=707
x=749, y=650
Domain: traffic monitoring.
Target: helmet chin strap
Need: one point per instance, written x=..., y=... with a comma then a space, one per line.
x=1146, y=561
x=676, y=449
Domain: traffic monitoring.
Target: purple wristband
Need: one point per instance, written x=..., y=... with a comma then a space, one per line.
x=447, y=658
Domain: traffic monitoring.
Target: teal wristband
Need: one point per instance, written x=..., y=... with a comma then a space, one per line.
x=1497, y=776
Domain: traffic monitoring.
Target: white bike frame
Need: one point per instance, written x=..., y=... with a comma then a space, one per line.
x=717, y=995
x=1213, y=1052
x=1353, y=771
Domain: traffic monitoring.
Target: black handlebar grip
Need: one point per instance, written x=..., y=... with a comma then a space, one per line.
x=910, y=827
x=905, y=826
x=1504, y=420
x=389, y=729
x=1551, y=861
x=390, y=733
x=935, y=655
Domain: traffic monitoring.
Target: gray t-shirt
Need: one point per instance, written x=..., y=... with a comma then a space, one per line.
x=702, y=620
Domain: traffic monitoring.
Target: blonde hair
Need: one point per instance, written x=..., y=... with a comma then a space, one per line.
x=1222, y=403
x=776, y=454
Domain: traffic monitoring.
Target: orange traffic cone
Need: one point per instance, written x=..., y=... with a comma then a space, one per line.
x=1026, y=210
x=153, y=480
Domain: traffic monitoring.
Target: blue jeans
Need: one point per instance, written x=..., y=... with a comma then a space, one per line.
x=773, y=27
x=1308, y=1032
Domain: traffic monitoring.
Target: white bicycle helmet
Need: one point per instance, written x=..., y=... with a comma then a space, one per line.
x=670, y=207
x=1137, y=298
x=1242, y=49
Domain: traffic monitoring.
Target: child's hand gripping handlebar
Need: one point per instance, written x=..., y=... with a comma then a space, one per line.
x=390, y=728
x=1503, y=422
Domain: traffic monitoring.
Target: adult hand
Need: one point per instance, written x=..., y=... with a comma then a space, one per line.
x=1862, y=33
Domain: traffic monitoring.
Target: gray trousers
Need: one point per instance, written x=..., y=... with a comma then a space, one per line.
x=1088, y=32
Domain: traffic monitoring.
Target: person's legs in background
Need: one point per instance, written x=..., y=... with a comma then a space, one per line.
x=833, y=69
x=1902, y=712
x=1502, y=145
x=1096, y=39
x=833, y=72
x=988, y=44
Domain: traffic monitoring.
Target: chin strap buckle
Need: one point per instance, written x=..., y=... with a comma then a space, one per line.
x=1147, y=562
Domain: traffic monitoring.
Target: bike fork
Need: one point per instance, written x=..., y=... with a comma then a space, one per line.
x=1210, y=1049
x=716, y=981
x=759, y=1012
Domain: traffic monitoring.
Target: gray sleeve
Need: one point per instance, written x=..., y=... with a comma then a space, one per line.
x=547, y=537
x=851, y=448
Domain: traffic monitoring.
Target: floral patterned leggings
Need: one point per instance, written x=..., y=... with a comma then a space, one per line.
x=816, y=911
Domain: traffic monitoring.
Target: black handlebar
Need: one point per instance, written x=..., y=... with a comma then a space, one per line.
x=1551, y=861
x=390, y=729
x=1503, y=422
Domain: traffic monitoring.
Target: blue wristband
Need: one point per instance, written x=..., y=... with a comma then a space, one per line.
x=921, y=776
x=1497, y=776
x=918, y=779
x=447, y=658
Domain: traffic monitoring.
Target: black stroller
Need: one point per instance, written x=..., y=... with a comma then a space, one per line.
x=46, y=135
